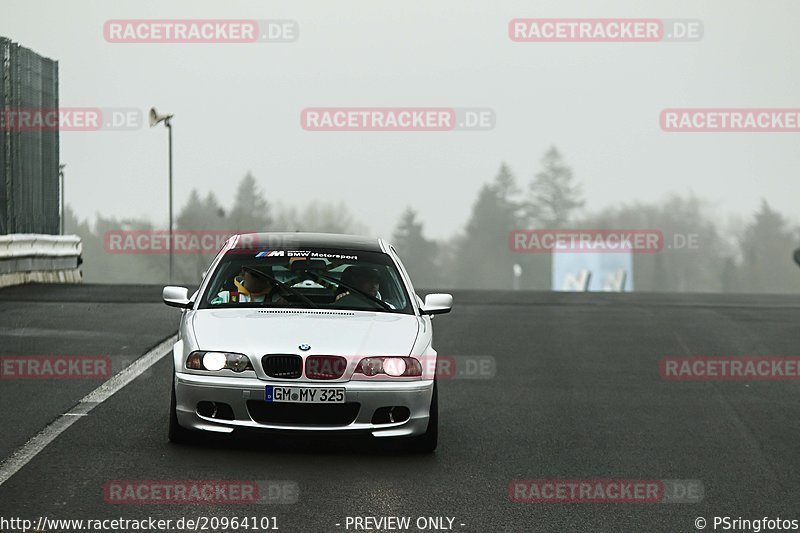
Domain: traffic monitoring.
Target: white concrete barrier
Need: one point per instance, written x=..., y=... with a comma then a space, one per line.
x=32, y=258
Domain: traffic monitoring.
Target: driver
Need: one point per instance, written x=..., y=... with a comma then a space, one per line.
x=364, y=279
x=252, y=285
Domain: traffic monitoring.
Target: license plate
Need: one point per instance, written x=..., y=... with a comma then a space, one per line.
x=304, y=395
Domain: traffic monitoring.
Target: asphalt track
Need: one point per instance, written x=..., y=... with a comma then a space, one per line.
x=576, y=395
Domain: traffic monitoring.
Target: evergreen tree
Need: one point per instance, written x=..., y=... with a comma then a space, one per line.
x=202, y=218
x=417, y=252
x=553, y=195
x=191, y=215
x=250, y=211
x=767, y=246
x=483, y=259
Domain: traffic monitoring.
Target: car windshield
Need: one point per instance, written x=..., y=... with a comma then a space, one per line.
x=318, y=278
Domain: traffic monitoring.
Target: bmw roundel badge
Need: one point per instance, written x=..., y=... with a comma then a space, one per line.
x=305, y=347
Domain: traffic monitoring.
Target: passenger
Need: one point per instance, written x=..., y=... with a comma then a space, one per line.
x=252, y=285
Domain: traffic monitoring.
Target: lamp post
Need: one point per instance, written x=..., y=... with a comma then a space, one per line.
x=155, y=118
x=61, y=176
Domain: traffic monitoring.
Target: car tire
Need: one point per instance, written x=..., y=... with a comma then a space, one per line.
x=427, y=442
x=177, y=433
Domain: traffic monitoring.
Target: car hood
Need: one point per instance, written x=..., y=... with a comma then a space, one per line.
x=261, y=331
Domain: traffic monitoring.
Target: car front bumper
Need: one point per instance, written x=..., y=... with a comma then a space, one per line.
x=190, y=389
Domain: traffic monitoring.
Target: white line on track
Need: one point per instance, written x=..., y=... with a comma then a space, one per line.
x=36, y=444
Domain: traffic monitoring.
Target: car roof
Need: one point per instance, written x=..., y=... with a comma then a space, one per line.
x=301, y=240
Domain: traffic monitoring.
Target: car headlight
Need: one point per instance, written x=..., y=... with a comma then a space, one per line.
x=396, y=367
x=214, y=361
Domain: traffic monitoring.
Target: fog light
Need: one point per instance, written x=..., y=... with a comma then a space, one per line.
x=207, y=409
x=391, y=415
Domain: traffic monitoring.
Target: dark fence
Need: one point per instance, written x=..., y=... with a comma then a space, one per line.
x=29, y=181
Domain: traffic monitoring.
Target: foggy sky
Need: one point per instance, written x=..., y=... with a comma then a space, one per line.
x=237, y=106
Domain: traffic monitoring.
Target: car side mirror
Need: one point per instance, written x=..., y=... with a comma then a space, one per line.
x=176, y=297
x=437, y=304
x=797, y=256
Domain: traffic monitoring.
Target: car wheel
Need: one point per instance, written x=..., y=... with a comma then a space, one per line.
x=177, y=433
x=427, y=442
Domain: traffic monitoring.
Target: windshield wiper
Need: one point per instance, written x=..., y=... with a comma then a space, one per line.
x=353, y=290
x=287, y=288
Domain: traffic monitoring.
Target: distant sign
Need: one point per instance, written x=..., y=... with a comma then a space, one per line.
x=592, y=271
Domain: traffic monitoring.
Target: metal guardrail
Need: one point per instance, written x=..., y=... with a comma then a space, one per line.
x=33, y=245
x=26, y=258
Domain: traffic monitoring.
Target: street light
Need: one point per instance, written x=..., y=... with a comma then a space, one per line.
x=155, y=118
x=61, y=175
